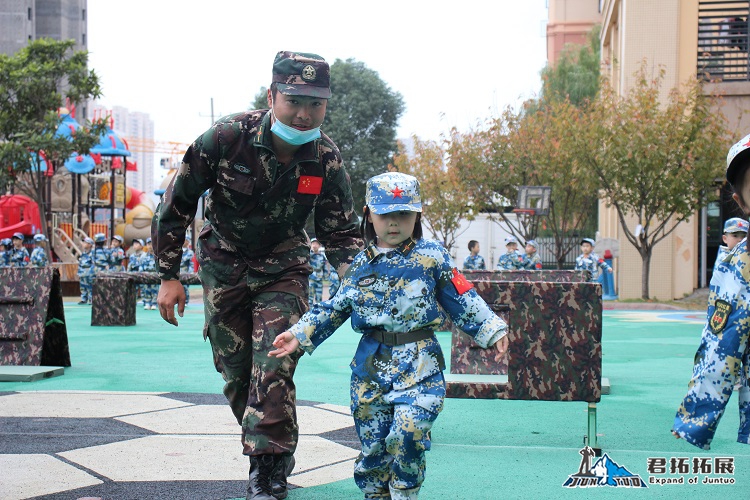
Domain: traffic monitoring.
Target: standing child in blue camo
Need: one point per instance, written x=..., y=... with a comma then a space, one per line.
x=86, y=271
x=19, y=256
x=39, y=255
x=101, y=254
x=589, y=261
x=474, y=261
x=116, y=254
x=148, y=265
x=723, y=357
x=334, y=281
x=5, y=245
x=735, y=230
x=391, y=292
x=532, y=260
x=512, y=259
x=318, y=264
x=134, y=261
x=186, y=264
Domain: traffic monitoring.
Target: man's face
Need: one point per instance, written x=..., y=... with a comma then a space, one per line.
x=298, y=111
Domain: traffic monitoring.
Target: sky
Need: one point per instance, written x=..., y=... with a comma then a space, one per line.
x=455, y=63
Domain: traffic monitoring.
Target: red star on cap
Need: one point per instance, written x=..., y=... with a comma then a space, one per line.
x=397, y=192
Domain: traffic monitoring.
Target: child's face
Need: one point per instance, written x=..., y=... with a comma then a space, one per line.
x=530, y=249
x=511, y=247
x=86, y=246
x=115, y=243
x=731, y=239
x=17, y=243
x=394, y=228
x=137, y=247
x=586, y=248
x=315, y=245
x=475, y=249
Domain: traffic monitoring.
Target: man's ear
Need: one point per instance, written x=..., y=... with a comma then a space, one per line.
x=269, y=98
x=737, y=198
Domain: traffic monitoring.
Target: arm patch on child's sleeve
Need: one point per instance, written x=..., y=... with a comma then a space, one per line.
x=460, y=282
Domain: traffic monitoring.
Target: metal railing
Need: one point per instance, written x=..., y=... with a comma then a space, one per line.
x=723, y=40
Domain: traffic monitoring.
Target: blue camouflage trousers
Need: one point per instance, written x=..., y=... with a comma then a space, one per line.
x=394, y=429
x=149, y=294
x=86, y=283
x=315, y=293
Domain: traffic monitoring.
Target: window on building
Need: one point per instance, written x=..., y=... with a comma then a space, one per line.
x=29, y=14
x=83, y=39
x=83, y=14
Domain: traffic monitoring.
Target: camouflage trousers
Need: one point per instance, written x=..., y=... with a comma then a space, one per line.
x=187, y=293
x=86, y=281
x=394, y=429
x=315, y=293
x=244, y=314
x=149, y=294
x=720, y=363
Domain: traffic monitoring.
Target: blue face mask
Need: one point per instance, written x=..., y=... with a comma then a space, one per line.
x=292, y=135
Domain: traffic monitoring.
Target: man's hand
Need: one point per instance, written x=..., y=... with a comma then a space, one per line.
x=171, y=293
x=285, y=344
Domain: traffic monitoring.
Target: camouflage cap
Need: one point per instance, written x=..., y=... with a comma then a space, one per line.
x=393, y=192
x=737, y=157
x=589, y=241
x=100, y=238
x=298, y=73
x=118, y=238
x=88, y=240
x=736, y=225
x=40, y=237
x=18, y=235
x=6, y=242
x=532, y=243
x=138, y=240
x=511, y=240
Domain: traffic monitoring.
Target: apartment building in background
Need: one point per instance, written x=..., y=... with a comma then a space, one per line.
x=708, y=38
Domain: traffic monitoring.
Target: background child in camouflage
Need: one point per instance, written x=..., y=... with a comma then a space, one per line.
x=735, y=230
x=39, y=255
x=512, y=259
x=5, y=245
x=722, y=357
x=134, y=261
x=391, y=292
x=318, y=264
x=186, y=264
x=532, y=260
x=474, y=260
x=19, y=256
x=86, y=271
x=589, y=261
x=148, y=264
x=116, y=254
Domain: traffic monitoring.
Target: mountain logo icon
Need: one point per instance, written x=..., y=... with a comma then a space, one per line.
x=604, y=472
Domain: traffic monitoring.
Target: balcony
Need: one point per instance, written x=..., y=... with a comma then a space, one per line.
x=723, y=41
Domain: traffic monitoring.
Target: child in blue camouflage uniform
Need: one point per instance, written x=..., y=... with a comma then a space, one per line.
x=512, y=259
x=589, y=261
x=86, y=271
x=134, y=261
x=334, y=280
x=186, y=264
x=532, y=260
x=723, y=357
x=474, y=261
x=318, y=264
x=148, y=264
x=735, y=230
x=116, y=254
x=5, y=245
x=19, y=256
x=39, y=255
x=391, y=292
x=101, y=254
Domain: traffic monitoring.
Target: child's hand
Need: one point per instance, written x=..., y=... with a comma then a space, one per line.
x=285, y=344
x=502, y=346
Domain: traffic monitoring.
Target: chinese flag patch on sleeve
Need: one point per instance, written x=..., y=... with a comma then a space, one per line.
x=310, y=184
x=460, y=282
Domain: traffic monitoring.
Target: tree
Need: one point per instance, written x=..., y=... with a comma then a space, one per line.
x=32, y=83
x=261, y=99
x=443, y=196
x=654, y=160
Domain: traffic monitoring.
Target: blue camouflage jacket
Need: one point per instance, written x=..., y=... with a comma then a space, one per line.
x=399, y=291
x=591, y=263
x=134, y=261
x=86, y=264
x=318, y=263
x=39, y=257
x=474, y=262
x=19, y=257
x=533, y=262
x=186, y=263
x=116, y=256
x=101, y=259
x=510, y=261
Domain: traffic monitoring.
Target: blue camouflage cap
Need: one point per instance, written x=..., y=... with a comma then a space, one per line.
x=737, y=157
x=40, y=237
x=118, y=238
x=88, y=240
x=100, y=237
x=589, y=241
x=532, y=243
x=20, y=236
x=393, y=192
x=511, y=240
x=138, y=240
x=736, y=225
x=299, y=73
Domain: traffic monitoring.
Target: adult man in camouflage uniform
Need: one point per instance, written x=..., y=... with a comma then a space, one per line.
x=265, y=172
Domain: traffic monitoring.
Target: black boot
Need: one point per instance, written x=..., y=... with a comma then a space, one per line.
x=261, y=470
x=283, y=466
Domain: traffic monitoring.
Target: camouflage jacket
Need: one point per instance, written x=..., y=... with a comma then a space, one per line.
x=510, y=261
x=722, y=357
x=186, y=262
x=399, y=291
x=533, y=262
x=19, y=257
x=39, y=257
x=101, y=259
x=591, y=262
x=254, y=203
x=134, y=261
x=116, y=256
x=5, y=258
x=147, y=262
x=318, y=264
x=86, y=264
x=474, y=262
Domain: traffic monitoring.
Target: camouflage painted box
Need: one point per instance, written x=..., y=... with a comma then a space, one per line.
x=32, y=319
x=550, y=275
x=114, y=296
x=555, y=343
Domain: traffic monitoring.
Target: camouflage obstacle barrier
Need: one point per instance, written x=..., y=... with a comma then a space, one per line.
x=466, y=355
x=32, y=319
x=114, y=295
x=554, y=352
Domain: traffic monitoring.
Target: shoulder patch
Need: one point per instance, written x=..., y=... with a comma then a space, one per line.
x=720, y=316
x=460, y=282
x=239, y=167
